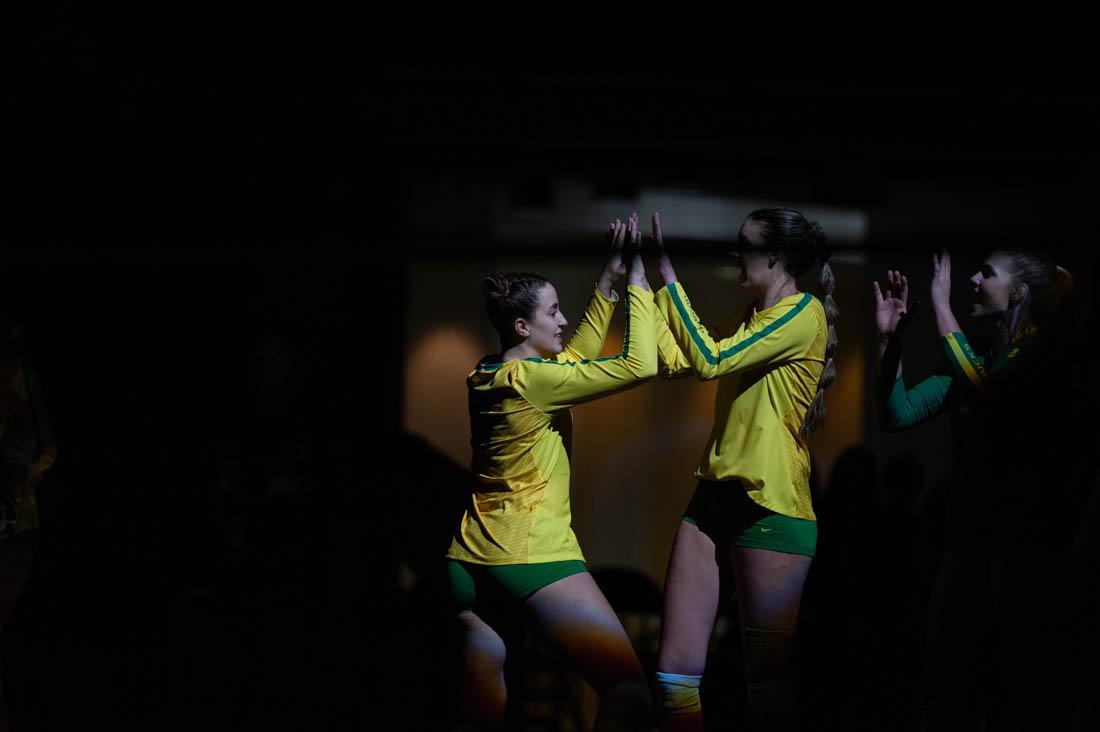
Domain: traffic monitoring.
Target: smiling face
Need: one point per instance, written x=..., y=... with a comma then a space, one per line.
x=544, y=331
x=992, y=288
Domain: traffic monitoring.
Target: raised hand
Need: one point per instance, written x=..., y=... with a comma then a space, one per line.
x=659, y=254
x=892, y=310
x=614, y=265
x=613, y=268
x=941, y=294
x=636, y=275
x=941, y=281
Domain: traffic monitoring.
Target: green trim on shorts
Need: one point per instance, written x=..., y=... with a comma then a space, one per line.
x=470, y=583
x=725, y=512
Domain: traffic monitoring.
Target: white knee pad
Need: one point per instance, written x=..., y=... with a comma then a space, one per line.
x=679, y=693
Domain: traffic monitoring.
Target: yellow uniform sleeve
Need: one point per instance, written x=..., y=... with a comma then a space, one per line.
x=671, y=361
x=969, y=368
x=590, y=333
x=994, y=378
x=785, y=332
x=553, y=385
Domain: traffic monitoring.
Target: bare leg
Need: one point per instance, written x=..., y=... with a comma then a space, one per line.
x=575, y=621
x=482, y=695
x=692, y=593
x=769, y=591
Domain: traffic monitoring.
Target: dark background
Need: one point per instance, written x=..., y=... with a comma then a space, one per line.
x=176, y=206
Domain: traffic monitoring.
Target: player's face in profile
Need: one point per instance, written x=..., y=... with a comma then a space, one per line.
x=546, y=328
x=992, y=286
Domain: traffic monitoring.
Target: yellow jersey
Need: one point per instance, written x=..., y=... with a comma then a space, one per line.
x=521, y=424
x=768, y=363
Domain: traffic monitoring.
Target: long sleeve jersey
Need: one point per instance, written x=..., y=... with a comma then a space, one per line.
x=768, y=363
x=521, y=425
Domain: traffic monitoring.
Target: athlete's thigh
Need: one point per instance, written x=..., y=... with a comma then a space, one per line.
x=769, y=587
x=693, y=589
x=575, y=621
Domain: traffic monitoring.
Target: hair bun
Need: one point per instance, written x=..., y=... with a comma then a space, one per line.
x=495, y=287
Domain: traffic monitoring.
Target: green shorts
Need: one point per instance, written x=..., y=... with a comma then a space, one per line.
x=725, y=512
x=472, y=583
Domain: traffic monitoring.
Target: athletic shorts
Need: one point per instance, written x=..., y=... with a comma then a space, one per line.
x=725, y=512
x=472, y=583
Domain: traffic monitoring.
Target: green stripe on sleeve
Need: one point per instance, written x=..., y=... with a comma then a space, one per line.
x=713, y=360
